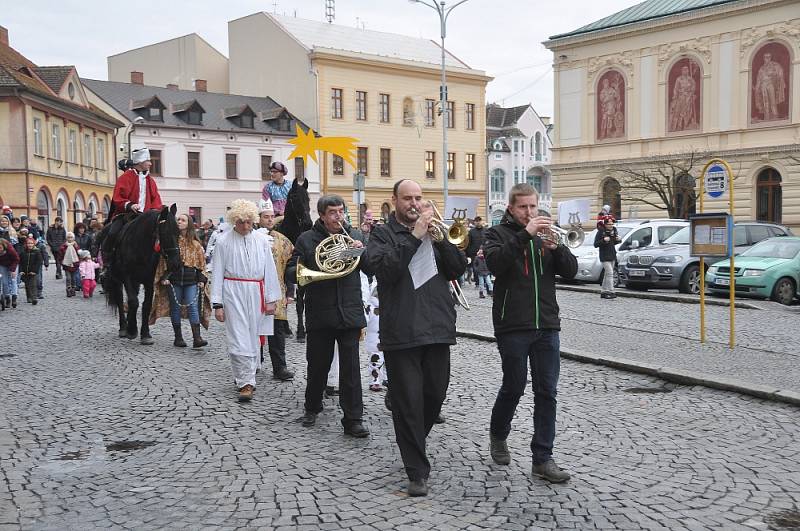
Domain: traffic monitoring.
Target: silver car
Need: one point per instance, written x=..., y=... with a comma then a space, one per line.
x=635, y=234
x=671, y=266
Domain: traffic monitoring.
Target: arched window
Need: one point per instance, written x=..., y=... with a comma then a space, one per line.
x=769, y=196
x=78, y=208
x=61, y=207
x=612, y=197
x=408, y=111
x=106, y=206
x=534, y=178
x=685, y=199
x=538, y=145
x=498, y=181
x=43, y=208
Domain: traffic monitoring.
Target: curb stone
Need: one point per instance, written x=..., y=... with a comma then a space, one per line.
x=686, y=299
x=669, y=374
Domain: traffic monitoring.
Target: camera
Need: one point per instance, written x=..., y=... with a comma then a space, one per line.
x=125, y=164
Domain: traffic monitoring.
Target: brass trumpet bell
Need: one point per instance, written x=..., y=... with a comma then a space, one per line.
x=457, y=233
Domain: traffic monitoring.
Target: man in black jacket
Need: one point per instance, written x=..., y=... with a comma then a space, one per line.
x=418, y=321
x=476, y=236
x=334, y=313
x=56, y=236
x=526, y=324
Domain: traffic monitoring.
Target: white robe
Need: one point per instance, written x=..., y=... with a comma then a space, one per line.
x=248, y=257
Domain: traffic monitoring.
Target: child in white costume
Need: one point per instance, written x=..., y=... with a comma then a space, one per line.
x=376, y=367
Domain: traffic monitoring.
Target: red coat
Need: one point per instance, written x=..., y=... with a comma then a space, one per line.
x=127, y=191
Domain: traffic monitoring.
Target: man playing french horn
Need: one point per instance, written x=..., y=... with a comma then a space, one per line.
x=326, y=259
x=418, y=320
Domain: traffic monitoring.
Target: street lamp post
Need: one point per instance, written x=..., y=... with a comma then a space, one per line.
x=443, y=12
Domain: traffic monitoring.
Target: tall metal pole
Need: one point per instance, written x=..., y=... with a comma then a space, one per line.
x=445, y=109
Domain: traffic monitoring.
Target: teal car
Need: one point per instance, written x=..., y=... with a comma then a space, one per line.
x=769, y=269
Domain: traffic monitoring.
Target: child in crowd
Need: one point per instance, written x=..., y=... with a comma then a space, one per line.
x=30, y=262
x=70, y=261
x=484, y=276
x=376, y=366
x=87, y=268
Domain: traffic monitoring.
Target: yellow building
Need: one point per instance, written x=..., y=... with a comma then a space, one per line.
x=380, y=88
x=56, y=150
x=649, y=86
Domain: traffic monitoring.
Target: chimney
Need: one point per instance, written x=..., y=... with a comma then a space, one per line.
x=201, y=85
x=3, y=36
x=172, y=86
x=137, y=78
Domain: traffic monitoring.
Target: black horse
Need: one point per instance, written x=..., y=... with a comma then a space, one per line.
x=139, y=246
x=296, y=215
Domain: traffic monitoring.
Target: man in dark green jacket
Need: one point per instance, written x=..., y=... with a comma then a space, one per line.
x=334, y=313
x=418, y=321
x=526, y=324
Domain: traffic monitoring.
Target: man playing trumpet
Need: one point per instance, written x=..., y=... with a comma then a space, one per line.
x=418, y=321
x=334, y=313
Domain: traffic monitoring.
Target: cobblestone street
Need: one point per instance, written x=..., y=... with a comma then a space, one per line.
x=98, y=432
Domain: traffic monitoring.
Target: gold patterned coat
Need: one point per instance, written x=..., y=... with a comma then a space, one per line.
x=282, y=250
x=192, y=255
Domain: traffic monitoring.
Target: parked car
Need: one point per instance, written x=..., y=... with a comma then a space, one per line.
x=769, y=269
x=635, y=234
x=671, y=266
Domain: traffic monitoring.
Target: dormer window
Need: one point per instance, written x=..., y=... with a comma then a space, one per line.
x=278, y=118
x=283, y=124
x=154, y=114
x=151, y=109
x=241, y=116
x=246, y=121
x=190, y=112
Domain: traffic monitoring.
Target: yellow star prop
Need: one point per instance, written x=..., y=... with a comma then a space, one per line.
x=307, y=144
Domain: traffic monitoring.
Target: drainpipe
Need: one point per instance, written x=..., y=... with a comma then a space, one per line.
x=27, y=162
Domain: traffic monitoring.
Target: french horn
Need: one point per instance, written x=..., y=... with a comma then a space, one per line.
x=335, y=257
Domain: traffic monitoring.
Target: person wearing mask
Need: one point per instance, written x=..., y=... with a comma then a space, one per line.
x=417, y=322
x=56, y=236
x=527, y=324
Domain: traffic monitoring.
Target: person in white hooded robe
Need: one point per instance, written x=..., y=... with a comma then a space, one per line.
x=244, y=292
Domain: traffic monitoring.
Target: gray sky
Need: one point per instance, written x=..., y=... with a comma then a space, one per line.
x=502, y=37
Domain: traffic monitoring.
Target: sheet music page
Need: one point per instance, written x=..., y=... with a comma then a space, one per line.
x=423, y=264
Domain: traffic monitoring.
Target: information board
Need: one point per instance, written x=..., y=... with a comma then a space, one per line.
x=712, y=234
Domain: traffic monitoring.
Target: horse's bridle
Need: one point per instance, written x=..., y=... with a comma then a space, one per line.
x=166, y=250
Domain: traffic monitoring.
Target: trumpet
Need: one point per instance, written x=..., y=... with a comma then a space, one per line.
x=457, y=233
x=572, y=237
x=335, y=257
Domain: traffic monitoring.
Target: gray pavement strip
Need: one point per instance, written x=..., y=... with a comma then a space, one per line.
x=668, y=297
x=669, y=374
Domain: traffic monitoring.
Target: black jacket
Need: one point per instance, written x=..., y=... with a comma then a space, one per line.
x=84, y=241
x=412, y=318
x=525, y=283
x=476, y=238
x=607, y=249
x=333, y=304
x=56, y=236
x=30, y=261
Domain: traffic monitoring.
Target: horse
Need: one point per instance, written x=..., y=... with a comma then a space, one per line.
x=140, y=245
x=296, y=215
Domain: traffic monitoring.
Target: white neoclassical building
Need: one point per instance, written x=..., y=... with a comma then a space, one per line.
x=207, y=148
x=518, y=150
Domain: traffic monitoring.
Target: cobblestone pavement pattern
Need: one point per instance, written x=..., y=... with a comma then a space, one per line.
x=668, y=334
x=98, y=432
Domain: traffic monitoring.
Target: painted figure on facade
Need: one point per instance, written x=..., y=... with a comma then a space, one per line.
x=611, y=112
x=769, y=91
x=684, y=100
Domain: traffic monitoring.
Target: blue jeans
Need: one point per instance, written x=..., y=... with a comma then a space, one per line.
x=9, y=286
x=183, y=295
x=542, y=347
x=485, y=282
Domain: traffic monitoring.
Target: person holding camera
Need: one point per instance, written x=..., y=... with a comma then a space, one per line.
x=606, y=241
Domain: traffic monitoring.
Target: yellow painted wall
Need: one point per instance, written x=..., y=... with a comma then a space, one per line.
x=408, y=144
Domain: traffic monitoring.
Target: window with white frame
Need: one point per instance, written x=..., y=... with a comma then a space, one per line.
x=469, y=173
x=37, y=137
x=87, y=150
x=56, y=143
x=470, y=116
x=101, y=153
x=72, y=145
x=538, y=145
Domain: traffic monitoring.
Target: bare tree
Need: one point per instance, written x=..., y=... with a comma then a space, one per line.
x=665, y=183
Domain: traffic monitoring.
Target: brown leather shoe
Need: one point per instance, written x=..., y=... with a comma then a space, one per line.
x=246, y=393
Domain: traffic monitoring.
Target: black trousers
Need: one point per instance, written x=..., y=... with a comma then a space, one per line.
x=319, y=355
x=57, y=261
x=276, y=344
x=418, y=380
x=30, y=287
x=300, y=305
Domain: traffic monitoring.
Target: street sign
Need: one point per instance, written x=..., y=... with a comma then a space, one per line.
x=716, y=181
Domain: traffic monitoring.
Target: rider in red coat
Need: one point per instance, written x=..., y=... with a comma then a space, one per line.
x=127, y=192
x=134, y=193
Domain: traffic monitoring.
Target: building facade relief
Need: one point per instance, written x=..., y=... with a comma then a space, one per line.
x=684, y=90
x=611, y=105
x=770, y=72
